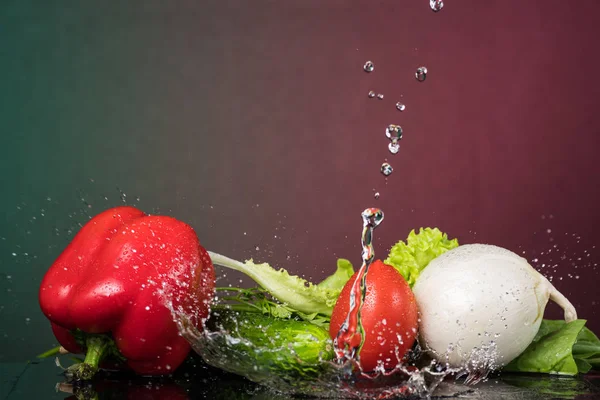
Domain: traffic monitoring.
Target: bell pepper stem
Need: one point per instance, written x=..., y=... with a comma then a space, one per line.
x=96, y=349
x=50, y=352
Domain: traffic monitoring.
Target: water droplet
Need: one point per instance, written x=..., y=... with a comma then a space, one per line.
x=376, y=195
x=394, y=147
x=371, y=94
x=386, y=169
x=393, y=132
x=421, y=74
x=436, y=5
x=380, y=96
x=369, y=66
x=400, y=106
x=371, y=218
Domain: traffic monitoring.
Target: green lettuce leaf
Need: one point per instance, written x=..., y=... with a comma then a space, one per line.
x=411, y=257
x=338, y=279
x=294, y=292
x=560, y=348
x=586, y=351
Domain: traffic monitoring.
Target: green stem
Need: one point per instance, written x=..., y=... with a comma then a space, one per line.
x=50, y=353
x=96, y=349
x=237, y=307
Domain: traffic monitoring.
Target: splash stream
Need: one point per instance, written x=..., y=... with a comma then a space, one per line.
x=350, y=337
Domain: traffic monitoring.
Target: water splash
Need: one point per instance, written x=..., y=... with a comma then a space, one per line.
x=350, y=337
x=334, y=379
x=341, y=377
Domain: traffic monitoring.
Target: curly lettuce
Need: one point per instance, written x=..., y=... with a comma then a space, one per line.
x=410, y=258
x=294, y=292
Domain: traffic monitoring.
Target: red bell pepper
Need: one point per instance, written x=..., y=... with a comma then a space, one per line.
x=106, y=294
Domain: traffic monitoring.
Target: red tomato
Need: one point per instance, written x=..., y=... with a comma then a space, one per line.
x=389, y=316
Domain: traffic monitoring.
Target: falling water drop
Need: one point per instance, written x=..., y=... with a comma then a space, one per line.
x=369, y=66
x=386, y=169
x=393, y=132
x=436, y=5
x=421, y=74
x=380, y=96
x=394, y=147
x=371, y=94
x=400, y=106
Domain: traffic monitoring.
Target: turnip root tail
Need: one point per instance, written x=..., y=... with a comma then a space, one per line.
x=564, y=303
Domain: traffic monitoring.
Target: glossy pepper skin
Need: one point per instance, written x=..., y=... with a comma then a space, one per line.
x=113, y=281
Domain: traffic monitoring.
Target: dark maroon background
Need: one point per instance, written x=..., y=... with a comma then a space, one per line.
x=251, y=121
x=500, y=141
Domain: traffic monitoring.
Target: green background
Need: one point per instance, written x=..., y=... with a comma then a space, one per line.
x=251, y=122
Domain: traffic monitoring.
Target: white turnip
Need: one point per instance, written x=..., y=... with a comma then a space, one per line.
x=482, y=301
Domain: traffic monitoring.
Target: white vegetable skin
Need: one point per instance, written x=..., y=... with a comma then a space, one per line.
x=480, y=296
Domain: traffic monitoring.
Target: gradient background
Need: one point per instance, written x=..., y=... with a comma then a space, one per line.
x=250, y=120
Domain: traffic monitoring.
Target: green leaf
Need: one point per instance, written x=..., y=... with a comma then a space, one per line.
x=587, y=335
x=583, y=367
x=551, y=350
x=594, y=362
x=258, y=300
x=586, y=350
x=411, y=257
x=292, y=291
x=338, y=279
x=587, y=347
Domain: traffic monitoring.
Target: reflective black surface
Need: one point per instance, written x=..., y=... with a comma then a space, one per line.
x=43, y=380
